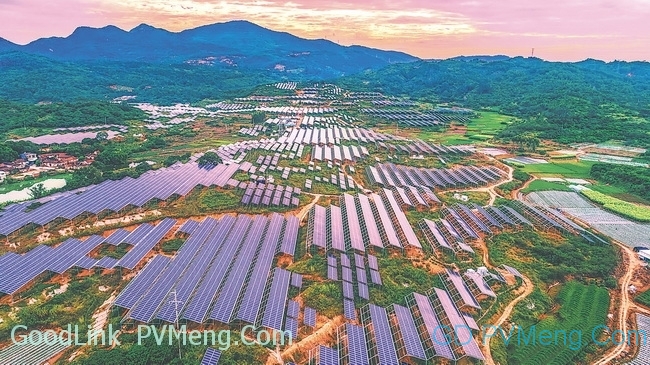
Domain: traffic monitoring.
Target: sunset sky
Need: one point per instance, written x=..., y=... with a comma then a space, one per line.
x=559, y=30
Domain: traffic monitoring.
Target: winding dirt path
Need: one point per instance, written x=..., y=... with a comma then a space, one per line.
x=527, y=289
x=625, y=306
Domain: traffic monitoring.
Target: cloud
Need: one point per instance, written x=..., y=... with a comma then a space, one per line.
x=566, y=30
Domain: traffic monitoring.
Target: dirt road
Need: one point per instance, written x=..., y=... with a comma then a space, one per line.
x=632, y=264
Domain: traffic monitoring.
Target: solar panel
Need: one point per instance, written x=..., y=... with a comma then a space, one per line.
x=461, y=332
x=363, y=291
x=142, y=282
x=362, y=277
x=319, y=222
x=117, y=237
x=346, y=273
x=309, y=317
x=190, y=279
x=372, y=262
x=293, y=309
x=335, y=225
x=356, y=350
x=146, y=308
x=291, y=325
x=273, y=313
x=144, y=244
x=435, y=338
x=348, y=290
x=383, y=338
x=290, y=236
x=375, y=277
x=199, y=304
x=327, y=356
x=345, y=260
x=224, y=307
x=461, y=288
x=369, y=222
x=348, y=310
x=386, y=221
x=353, y=231
x=408, y=333
x=251, y=301
x=296, y=280
x=211, y=357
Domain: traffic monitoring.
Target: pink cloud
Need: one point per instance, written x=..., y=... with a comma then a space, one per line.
x=557, y=29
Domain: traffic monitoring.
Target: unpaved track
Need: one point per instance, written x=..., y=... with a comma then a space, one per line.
x=528, y=288
x=631, y=264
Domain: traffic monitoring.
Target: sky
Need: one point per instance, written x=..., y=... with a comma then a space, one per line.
x=557, y=30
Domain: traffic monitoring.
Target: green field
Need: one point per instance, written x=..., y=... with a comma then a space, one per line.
x=570, y=169
x=543, y=185
x=479, y=130
x=582, y=309
x=644, y=298
x=629, y=210
x=20, y=185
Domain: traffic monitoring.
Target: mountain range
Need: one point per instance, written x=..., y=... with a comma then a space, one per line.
x=231, y=44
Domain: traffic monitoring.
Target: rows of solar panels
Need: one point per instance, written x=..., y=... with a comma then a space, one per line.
x=236, y=152
x=293, y=316
x=419, y=147
x=428, y=328
x=354, y=278
x=17, y=271
x=224, y=272
x=461, y=224
x=295, y=110
x=115, y=195
x=253, y=131
x=332, y=135
x=338, y=153
x=270, y=195
x=342, y=181
x=375, y=220
x=311, y=121
x=414, y=118
x=388, y=174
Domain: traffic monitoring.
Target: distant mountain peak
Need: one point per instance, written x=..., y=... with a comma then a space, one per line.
x=143, y=27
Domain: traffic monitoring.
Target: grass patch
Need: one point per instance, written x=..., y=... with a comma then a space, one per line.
x=8, y=186
x=618, y=206
x=570, y=169
x=543, y=185
x=644, y=298
x=582, y=309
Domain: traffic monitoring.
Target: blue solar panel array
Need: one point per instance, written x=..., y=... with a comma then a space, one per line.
x=251, y=303
x=16, y=271
x=220, y=272
x=274, y=310
x=161, y=184
x=224, y=308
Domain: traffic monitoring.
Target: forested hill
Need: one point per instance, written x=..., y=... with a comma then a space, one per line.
x=589, y=101
x=230, y=45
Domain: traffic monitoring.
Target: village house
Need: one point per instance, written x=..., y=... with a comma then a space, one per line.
x=59, y=161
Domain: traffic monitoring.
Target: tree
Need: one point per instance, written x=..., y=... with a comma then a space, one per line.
x=142, y=168
x=7, y=154
x=259, y=118
x=38, y=191
x=101, y=136
x=85, y=176
x=209, y=158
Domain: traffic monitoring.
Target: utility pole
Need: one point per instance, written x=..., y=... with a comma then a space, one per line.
x=175, y=302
